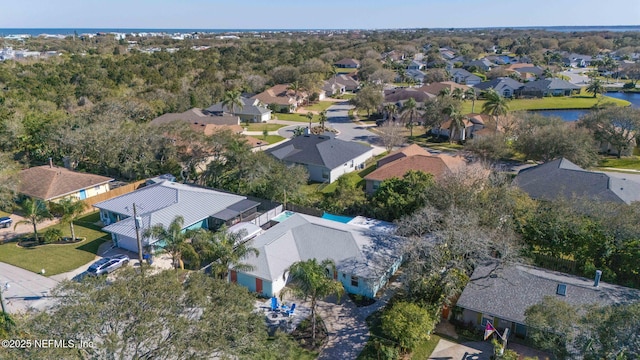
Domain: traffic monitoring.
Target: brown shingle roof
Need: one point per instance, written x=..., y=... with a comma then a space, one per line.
x=279, y=94
x=45, y=182
x=403, y=152
x=436, y=165
x=436, y=87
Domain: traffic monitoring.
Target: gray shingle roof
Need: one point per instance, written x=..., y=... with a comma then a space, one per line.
x=161, y=203
x=562, y=178
x=318, y=150
x=499, y=84
x=510, y=291
x=355, y=250
x=550, y=84
x=250, y=107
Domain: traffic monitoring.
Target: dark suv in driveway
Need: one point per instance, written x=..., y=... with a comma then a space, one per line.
x=107, y=265
x=5, y=222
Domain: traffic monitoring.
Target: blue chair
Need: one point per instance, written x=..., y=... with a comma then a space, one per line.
x=290, y=311
x=274, y=304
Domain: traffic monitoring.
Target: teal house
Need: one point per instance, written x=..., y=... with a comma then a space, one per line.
x=365, y=258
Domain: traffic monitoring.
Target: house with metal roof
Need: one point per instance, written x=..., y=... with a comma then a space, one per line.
x=502, y=295
x=52, y=183
x=561, y=178
x=365, y=258
x=160, y=203
x=325, y=157
x=250, y=111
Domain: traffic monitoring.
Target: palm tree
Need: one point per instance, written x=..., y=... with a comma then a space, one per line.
x=495, y=105
x=457, y=121
x=391, y=110
x=175, y=240
x=457, y=94
x=35, y=211
x=410, y=112
x=323, y=118
x=310, y=117
x=224, y=251
x=547, y=73
x=71, y=211
x=444, y=92
x=232, y=100
x=596, y=87
x=310, y=279
x=470, y=93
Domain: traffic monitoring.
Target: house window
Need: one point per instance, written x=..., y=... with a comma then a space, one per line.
x=325, y=174
x=376, y=185
x=354, y=281
x=506, y=93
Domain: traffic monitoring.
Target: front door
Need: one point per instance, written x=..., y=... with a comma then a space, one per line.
x=258, y=286
x=83, y=194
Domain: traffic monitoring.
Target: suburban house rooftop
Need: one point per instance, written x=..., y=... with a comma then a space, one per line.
x=507, y=292
x=162, y=202
x=49, y=182
x=321, y=150
x=561, y=178
x=355, y=249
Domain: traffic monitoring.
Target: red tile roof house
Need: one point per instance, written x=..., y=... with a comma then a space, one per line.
x=52, y=183
x=280, y=98
x=413, y=157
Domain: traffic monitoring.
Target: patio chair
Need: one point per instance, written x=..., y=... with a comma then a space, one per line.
x=290, y=311
x=274, y=304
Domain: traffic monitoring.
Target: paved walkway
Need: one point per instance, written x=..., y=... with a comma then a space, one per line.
x=467, y=351
x=347, y=326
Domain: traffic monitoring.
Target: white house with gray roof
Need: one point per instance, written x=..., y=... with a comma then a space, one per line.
x=365, y=258
x=162, y=202
x=250, y=111
x=502, y=296
x=325, y=157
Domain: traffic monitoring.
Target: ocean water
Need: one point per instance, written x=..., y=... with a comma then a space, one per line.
x=70, y=31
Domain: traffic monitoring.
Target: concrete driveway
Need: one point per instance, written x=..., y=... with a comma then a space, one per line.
x=27, y=290
x=338, y=118
x=466, y=351
x=9, y=233
x=576, y=76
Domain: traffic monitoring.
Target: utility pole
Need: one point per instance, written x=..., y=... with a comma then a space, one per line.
x=136, y=221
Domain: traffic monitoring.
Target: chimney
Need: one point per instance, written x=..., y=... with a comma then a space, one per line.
x=596, y=282
x=51, y=163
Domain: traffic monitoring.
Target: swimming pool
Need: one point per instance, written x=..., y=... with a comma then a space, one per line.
x=338, y=218
x=283, y=216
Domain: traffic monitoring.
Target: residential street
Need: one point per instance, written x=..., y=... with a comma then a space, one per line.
x=26, y=289
x=338, y=118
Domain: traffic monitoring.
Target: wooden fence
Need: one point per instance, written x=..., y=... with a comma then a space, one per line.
x=113, y=193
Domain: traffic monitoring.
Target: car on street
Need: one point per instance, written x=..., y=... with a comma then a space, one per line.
x=5, y=222
x=108, y=265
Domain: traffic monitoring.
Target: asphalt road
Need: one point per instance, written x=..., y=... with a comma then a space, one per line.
x=26, y=289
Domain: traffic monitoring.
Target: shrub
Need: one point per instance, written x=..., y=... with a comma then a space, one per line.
x=408, y=324
x=52, y=235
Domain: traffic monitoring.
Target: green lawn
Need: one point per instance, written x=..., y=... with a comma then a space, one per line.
x=356, y=177
x=630, y=162
x=56, y=259
x=319, y=106
x=262, y=127
x=424, y=349
x=271, y=139
x=295, y=117
x=582, y=101
x=346, y=96
x=2, y=213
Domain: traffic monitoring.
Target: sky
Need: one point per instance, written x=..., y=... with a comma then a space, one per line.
x=314, y=14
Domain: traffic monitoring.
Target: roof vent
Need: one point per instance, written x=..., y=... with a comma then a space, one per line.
x=561, y=289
